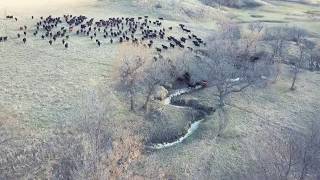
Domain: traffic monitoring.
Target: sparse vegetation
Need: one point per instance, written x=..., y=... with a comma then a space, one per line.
x=173, y=89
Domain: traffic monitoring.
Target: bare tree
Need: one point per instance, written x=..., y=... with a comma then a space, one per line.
x=297, y=63
x=290, y=154
x=88, y=148
x=132, y=60
x=253, y=36
x=276, y=37
x=158, y=72
x=229, y=68
x=314, y=63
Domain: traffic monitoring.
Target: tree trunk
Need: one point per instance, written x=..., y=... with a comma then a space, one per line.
x=278, y=71
x=292, y=88
x=221, y=99
x=146, y=103
x=303, y=173
x=289, y=169
x=131, y=100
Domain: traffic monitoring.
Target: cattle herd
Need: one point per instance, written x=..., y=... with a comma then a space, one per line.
x=140, y=31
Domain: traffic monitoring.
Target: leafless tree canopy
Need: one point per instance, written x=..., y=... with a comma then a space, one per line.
x=85, y=149
x=231, y=62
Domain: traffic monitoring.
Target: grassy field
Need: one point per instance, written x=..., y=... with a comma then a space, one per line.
x=44, y=85
x=281, y=12
x=251, y=117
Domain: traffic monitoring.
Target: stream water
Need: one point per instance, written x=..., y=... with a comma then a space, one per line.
x=193, y=127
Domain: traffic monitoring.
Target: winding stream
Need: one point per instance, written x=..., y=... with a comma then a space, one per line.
x=193, y=127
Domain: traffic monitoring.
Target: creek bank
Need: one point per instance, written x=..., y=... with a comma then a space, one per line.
x=175, y=100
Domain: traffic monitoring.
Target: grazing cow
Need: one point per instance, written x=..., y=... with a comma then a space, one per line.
x=254, y=58
x=158, y=49
x=63, y=41
x=111, y=41
x=196, y=43
x=202, y=83
x=172, y=45
x=164, y=47
x=25, y=33
x=66, y=45
x=186, y=30
x=18, y=35
x=183, y=39
x=24, y=40
x=50, y=42
x=1, y=39
x=5, y=38
x=187, y=76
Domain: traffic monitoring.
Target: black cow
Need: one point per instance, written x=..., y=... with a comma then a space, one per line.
x=196, y=43
x=254, y=58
